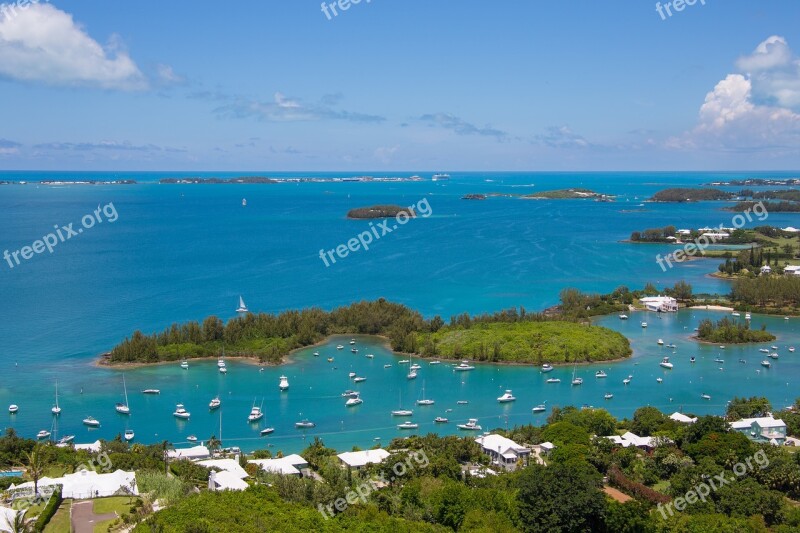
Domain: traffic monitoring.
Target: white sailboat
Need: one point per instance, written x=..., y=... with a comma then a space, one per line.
x=576, y=380
x=242, y=307
x=56, y=410
x=123, y=408
x=400, y=411
x=423, y=400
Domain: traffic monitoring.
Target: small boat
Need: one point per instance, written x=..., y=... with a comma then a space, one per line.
x=244, y=202
x=791, y=349
x=185, y=365
x=359, y=379
x=350, y=394
x=773, y=355
x=353, y=402
x=705, y=396
x=608, y=396
x=402, y=412
x=553, y=380
x=626, y=381
x=181, y=412
x=284, y=384
x=766, y=364
x=786, y=318
x=242, y=307
x=255, y=414
x=403, y=362
x=415, y=367
x=600, y=374
x=370, y=356
x=412, y=375
x=623, y=317
x=462, y=402
x=266, y=431
x=191, y=438
x=763, y=350
x=436, y=362
x=56, y=410
x=304, y=424
x=693, y=359
x=666, y=364
x=220, y=362
x=660, y=342
x=353, y=350
x=424, y=401
x=743, y=361
x=659, y=380
x=721, y=346
x=644, y=324
x=440, y=420
x=547, y=368
x=340, y=347
x=775, y=348
x=464, y=366
x=719, y=360
x=151, y=391
x=316, y=354
x=123, y=408
x=471, y=425
x=66, y=439
x=91, y=422
x=577, y=381
x=223, y=370
x=43, y=434
x=407, y=425
x=215, y=403
x=387, y=366
x=330, y=359
x=506, y=397
x=129, y=435
x=747, y=316
x=541, y=408
x=736, y=313
x=672, y=346
x=352, y=342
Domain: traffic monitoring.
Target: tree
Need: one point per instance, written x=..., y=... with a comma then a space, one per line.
x=36, y=463
x=752, y=407
x=647, y=420
x=213, y=444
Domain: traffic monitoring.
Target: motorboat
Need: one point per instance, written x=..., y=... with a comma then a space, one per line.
x=763, y=350
x=191, y=438
x=608, y=396
x=43, y=434
x=791, y=349
x=350, y=394
x=705, y=396
x=747, y=316
x=692, y=359
x=151, y=391
x=353, y=350
x=352, y=402
x=623, y=317
x=415, y=367
x=351, y=375
x=352, y=342
x=775, y=348
x=471, y=425
x=223, y=370
x=255, y=414
x=185, y=365
x=600, y=374
x=13, y=408
x=539, y=408
x=304, y=424
x=626, y=381
x=284, y=384
x=220, y=362
x=403, y=362
x=661, y=342
x=719, y=360
x=644, y=324
x=403, y=412
x=91, y=422
x=721, y=346
x=266, y=431
x=181, y=412
x=736, y=313
x=666, y=364
x=407, y=425
x=215, y=403
x=129, y=435
x=553, y=380
x=66, y=439
x=387, y=365
x=773, y=355
x=330, y=359
x=506, y=397
x=440, y=420
x=435, y=362
x=547, y=368
x=659, y=380
x=464, y=366
x=766, y=364
x=340, y=347
x=359, y=379
x=370, y=356
x=412, y=375
x=462, y=402
x=316, y=354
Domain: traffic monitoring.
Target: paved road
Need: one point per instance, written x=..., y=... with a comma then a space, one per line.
x=84, y=519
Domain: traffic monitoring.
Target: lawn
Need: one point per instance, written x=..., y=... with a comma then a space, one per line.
x=60, y=522
x=117, y=504
x=102, y=527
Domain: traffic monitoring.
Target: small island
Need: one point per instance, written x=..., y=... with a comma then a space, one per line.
x=380, y=211
x=728, y=331
x=474, y=197
x=682, y=195
x=566, y=194
x=757, y=182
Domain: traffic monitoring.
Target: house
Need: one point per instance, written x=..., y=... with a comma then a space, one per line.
x=663, y=304
x=89, y=484
x=766, y=269
x=358, y=460
x=792, y=270
x=762, y=429
x=291, y=465
x=715, y=236
x=684, y=232
x=790, y=229
x=631, y=439
x=192, y=454
x=547, y=447
x=231, y=466
x=682, y=418
x=504, y=452
x=224, y=480
x=94, y=447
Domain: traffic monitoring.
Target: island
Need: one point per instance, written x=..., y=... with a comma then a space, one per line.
x=731, y=332
x=769, y=207
x=682, y=195
x=757, y=182
x=566, y=194
x=380, y=211
x=474, y=197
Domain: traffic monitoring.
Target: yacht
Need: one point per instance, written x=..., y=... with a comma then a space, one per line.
x=354, y=350
x=547, y=368
x=370, y=356
x=763, y=350
x=242, y=307
x=350, y=394
x=407, y=425
x=43, y=434
x=506, y=397
x=623, y=316
x=440, y=420
x=13, y=408
x=661, y=342
x=415, y=366
x=66, y=439
x=644, y=324
x=340, y=347
x=659, y=380
x=123, y=408
x=403, y=412
x=736, y=313
x=773, y=355
x=600, y=374
x=471, y=425
x=191, y=438
x=463, y=367
x=627, y=380
x=553, y=380
x=56, y=410
x=91, y=422
x=435, y=362
x=316, y=354
x=354, y=401
x=255, y=414
x=181, y=412
x=151, y=391
x=666, y=364
x=266, y=431
x=791, y=349
x=185, y=365
x=359, y=379
x=705, y=396
x=387, y=365
x=766, y=364
x=351, y=375
x=215, y=403
x=352, y=342
x=412, y=374
x=403, y=362
x=129, y=435
x=539, y=408
x=304, y=424
x=608, y=396
x=284, y=385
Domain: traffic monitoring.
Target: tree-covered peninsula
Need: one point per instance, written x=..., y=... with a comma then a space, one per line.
x=508, y=336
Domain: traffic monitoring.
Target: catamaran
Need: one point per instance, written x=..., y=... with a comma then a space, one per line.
x=506, y=397
x=123, y=408
x=56, y=410
x=284, y=384
x=242, y=307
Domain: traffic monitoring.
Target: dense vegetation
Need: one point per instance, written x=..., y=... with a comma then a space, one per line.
x=792, y=195
x=770, y=207
x=380, y=211
x=565, y=194
x=731, y=332
x=768, y=292
x=272, y=337
x=690, y=195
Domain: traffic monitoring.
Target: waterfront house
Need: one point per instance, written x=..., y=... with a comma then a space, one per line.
x=682, y=418
x=504, y=453
x=762, y=429
x=663, y=304
x=358, y=460
x=226, y=465
x=715, y=236
x=224, y=480
x=196, y=453
x=291, y=465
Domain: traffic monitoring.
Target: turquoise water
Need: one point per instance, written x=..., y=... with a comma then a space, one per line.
x=10, y=474
x=184, y=252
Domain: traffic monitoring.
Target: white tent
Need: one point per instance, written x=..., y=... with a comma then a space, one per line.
x=89, y=484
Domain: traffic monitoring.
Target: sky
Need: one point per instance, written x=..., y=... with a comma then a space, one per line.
x=400, y=85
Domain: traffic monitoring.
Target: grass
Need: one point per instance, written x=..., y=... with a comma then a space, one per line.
x=60, y=523
x=662, y=486
x=116, y=504
x=102, y=527
x=55, y=471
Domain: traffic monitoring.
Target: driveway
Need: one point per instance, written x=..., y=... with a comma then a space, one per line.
x=84, y=519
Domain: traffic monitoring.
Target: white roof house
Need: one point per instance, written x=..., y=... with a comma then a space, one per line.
x=363, y=458
x=192, y=454
x=684, y=232
x=291, y=465
x=792, y=270
x=790, y=229
x=89, y=484
x=682, y=418
x=665, y=304
x=715, y=236
x=94, y=447
x=766, y=269
x=225, y=480
x=504, y=452
x=631, y=439
x=226, y=465
x=762, y=429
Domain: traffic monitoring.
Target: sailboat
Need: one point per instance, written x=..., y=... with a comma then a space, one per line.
x=576, y=380
x=401, y=411
x=122, y=408
x=56, y=410
x=423, y=400
x=242, y=307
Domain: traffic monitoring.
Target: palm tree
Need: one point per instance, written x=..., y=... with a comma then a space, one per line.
x=19, y=524
x=36, y=463
x=214, y=444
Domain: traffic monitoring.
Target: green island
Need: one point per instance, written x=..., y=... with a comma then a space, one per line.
x=558, y=194
x=687, y=194
x=514, y=336
x=731, y=332
x=380, y=211
x=581, y=482
x=770, y=207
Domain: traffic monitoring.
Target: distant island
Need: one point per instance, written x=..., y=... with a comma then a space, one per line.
x=558, y=194
x=474, y=197
x=379, y=211
x=757, y=182
x=243, y=179
x=271, y=180
x=60, y=182
x=769, y=207
x=681, y=195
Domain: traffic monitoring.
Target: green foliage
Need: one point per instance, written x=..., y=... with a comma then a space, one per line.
x=691, y=195
x=162, y=487
x=767, y=291
x=731, y=332
x=49, y=510
x=648, y=420
x=752, y=407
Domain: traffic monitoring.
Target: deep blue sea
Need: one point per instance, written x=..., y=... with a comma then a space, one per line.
x=182, y=252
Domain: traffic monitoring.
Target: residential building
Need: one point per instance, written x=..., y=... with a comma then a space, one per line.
x=291, y=465
x=762, y=429
x=504, y=453
x=663, y=304
x=358, y=460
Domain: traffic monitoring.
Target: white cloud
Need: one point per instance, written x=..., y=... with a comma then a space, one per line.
x=167, y=76
x=44, y=44
x=9, y=147
x=285, y=109
x=774, y=71
x=461, y=126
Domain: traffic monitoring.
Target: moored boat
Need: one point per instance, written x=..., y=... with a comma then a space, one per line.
x=471, y=425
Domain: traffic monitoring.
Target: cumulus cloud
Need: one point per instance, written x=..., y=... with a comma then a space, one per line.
x=285, y=109
x=461, y=126
x=774, y=71
x=41, y=43
x=9, y=147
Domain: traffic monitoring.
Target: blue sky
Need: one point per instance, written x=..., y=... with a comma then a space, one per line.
x=391, y=85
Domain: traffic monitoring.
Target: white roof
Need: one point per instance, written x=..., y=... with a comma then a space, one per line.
x=225, y=481
x=198, y=452
x=791, y=268
x=363, y=458
x=631, y=439
x=7, y=517
x=90, y=484
x=500, y=444
x=657, y=299
x=284, y=465
x=547, y=445
x=93, y=447
x=682, y=418
x=227, y=465
x=763, y=422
